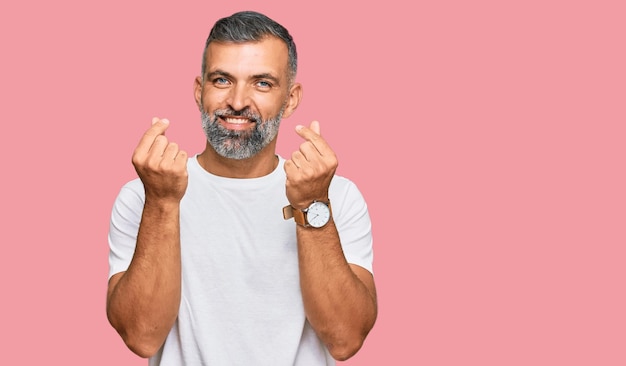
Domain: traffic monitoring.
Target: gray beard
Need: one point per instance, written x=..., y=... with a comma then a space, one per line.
x=239, y=144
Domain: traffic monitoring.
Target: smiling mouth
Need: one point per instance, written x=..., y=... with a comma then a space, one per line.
x=237, y=123
x=236, y=120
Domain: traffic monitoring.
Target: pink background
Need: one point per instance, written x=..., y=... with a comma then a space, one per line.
x=487, y=137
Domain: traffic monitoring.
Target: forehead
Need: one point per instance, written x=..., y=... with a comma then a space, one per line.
x=269, y=55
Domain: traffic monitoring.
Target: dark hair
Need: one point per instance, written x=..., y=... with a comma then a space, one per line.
x=250, y=26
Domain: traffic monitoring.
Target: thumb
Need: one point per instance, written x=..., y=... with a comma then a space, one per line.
x=161, y=124
x=315, y=126
x=163, y=120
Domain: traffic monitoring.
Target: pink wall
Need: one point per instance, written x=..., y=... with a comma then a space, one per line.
x=487, y=138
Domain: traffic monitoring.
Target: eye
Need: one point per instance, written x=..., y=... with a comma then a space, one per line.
x=221, y=82
x=264, y=85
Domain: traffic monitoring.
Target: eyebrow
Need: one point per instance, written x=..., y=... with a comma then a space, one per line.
x=218, y=72
x=265, y=75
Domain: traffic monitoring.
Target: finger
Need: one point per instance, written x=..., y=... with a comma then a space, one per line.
x=173, y=157
x=309, y=151
x=158, y=128
x=314, y=129
x=157, y=149
x=315, y=126
x=181, y=158
x=298, y=159
x=290, y=168
x=170, y=152
x=180, y=162
x=314, y=137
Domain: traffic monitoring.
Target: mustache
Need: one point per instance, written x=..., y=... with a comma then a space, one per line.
x=246, y=112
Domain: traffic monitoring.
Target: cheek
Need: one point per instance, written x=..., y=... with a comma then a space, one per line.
x=213, y=99
x=270, y=106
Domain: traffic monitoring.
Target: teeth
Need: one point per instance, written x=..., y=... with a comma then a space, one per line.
x=236, y=120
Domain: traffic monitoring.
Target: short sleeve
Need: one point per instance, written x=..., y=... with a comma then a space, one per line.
x=353, y=222
x=124, y=226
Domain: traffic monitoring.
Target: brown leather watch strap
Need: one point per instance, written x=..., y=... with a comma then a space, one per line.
x=298, y=215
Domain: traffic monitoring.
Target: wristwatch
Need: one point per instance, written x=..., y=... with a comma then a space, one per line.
x=316, y=215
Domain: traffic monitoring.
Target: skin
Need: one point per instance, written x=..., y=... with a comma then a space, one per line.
x=339, y=298
x=143, y=302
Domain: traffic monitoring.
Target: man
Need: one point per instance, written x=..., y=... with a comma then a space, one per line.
x=206, y=265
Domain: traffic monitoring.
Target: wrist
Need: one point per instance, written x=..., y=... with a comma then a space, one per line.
x=304, y=204
x=316, y=215
x=162, y=204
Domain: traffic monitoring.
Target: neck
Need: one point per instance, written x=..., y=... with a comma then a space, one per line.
x=256, y=166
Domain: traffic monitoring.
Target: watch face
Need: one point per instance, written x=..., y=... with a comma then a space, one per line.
x=318, y=214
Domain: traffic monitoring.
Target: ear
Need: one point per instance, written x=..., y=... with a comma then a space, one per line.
x=197, y=91
x=295, y=95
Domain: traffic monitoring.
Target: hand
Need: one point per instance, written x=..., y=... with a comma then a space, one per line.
x=310, y=169
x=160, y=164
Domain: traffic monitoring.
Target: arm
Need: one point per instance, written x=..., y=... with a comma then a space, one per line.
x=143, y=301
x=339, y=298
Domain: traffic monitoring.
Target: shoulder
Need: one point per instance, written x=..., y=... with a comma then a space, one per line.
x=130, y=197
x=345, y=192
x=342, y=185
x=133, y=187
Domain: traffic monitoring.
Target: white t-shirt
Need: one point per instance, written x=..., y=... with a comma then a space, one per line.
x=241, y=301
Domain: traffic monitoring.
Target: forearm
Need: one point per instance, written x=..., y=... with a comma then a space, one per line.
x=143, y=305
x=338, y=304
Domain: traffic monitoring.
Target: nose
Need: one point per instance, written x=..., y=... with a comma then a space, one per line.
x=239, y=97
